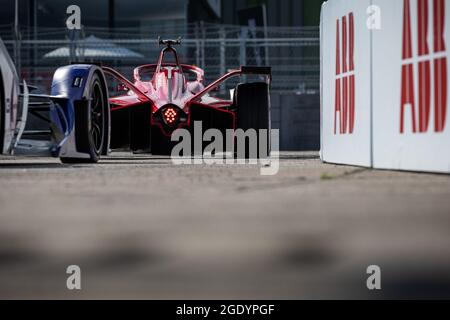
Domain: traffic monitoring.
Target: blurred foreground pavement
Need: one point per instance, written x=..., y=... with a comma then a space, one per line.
x=140, y=227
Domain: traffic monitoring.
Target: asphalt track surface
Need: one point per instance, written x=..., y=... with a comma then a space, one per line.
x=141, y=227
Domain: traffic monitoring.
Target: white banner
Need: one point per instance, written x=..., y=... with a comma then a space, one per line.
x=345, y=51
x=401, y=84
x=410, y=85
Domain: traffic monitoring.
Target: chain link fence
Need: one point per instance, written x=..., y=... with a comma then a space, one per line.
x=292, y=52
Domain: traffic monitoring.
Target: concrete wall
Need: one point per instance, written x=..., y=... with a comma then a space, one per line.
x=298, y=118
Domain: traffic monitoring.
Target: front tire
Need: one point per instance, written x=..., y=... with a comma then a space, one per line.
x=91, y=124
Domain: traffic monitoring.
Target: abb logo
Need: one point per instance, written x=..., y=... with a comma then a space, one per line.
x=420, y=112
x=344, y=110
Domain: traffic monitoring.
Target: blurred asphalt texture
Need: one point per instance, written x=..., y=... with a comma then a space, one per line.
x=140, y=227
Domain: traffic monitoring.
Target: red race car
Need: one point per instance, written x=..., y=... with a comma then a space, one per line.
x=167, y=96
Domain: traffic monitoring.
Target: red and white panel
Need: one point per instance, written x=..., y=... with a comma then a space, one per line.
x=345, y=107
x=411, y=126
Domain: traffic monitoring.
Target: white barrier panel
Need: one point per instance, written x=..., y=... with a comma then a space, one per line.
x=345, y=74
x=400, y=84
x=411, y=129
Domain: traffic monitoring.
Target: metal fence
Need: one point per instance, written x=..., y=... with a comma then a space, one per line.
x=293, y=53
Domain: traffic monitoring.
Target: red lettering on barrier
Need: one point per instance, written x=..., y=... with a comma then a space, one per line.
x=344, y=103
x=424, y=59
x=337, y=94
x=440, y=67
x=352, y=75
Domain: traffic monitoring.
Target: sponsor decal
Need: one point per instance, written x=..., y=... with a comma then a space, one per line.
x=344, y=111
x=430, y=58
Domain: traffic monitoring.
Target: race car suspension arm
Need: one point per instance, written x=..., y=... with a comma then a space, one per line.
x=127, y=83
x=263, y=71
